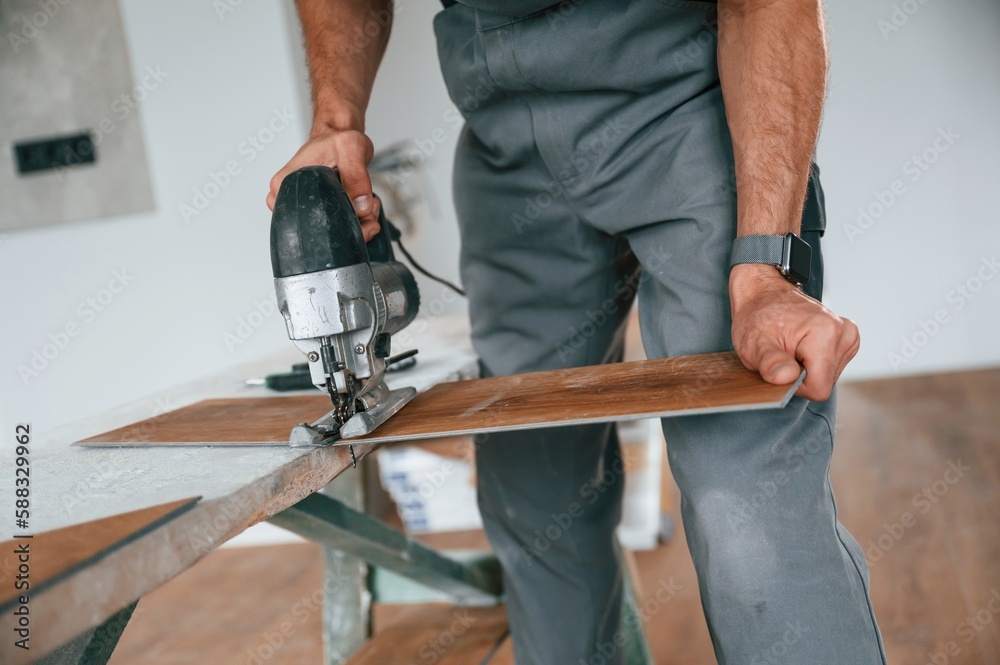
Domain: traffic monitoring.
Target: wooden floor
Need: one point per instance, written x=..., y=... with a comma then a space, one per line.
x=917, y=475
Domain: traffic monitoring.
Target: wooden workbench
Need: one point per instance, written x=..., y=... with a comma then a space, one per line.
x=238, y=488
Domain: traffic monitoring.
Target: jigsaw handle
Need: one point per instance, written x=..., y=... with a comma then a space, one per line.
x=314, y=229
x=314, y=226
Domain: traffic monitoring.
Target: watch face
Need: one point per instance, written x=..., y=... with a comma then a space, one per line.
x=797, y=259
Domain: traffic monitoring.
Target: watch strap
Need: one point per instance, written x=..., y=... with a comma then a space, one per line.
x=757, y=249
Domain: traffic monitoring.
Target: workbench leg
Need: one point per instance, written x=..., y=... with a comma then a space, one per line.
x=93, y=647
x=333, y=524
x=349, y=537
x=347, y=603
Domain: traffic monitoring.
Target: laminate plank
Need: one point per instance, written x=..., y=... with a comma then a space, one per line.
x=623, y=391
x=232, y=421
x=62, y=552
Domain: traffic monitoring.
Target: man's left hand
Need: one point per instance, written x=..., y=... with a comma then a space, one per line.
x=776, y=327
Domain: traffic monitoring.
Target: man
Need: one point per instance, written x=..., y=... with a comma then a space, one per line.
x=596, y=134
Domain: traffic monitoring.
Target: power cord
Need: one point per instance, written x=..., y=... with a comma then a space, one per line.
x=395, y=235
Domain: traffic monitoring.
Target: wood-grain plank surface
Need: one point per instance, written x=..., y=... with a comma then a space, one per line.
x=622, y=391
x=54, y=554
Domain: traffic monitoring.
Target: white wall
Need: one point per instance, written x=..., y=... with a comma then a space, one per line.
x=192, y=283
x=410, y=102
x=188, y=282
x=901, y=78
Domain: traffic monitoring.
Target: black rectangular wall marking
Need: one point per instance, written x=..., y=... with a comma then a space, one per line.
x=54, y=153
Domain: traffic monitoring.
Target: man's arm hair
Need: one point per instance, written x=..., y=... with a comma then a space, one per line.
x=345, y=41
x=773, y=64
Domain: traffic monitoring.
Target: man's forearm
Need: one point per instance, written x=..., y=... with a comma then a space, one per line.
x=773, y=64
x=345, y=41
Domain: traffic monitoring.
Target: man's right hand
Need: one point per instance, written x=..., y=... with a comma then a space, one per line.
x=349, y=151
x=342, y=73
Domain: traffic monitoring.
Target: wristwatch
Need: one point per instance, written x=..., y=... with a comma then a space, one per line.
x=789, y=253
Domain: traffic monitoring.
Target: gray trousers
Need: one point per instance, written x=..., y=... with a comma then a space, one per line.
x=596, y=138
